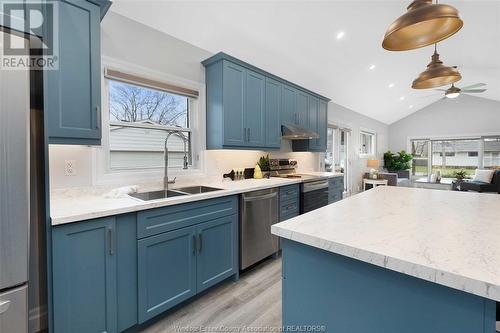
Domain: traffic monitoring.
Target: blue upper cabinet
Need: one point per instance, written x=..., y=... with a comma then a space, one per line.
x=273, y=113
x=317, y=122
x=302, y=109
x=289, y=106
x=72, y=92
x=234, y=78
x=246, y=106
x=255, y=116
x=84, y=277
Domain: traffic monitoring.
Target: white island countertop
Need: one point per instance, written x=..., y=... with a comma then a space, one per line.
x=448, y=238
x=73, y=205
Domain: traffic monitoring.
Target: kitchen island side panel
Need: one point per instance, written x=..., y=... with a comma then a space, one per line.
x=347, y=295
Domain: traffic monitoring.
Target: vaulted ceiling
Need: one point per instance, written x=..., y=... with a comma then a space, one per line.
x=333, y=47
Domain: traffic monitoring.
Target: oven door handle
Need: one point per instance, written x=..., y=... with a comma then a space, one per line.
x=260, y=197
x=308, y=187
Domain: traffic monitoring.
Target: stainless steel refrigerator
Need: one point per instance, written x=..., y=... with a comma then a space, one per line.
x=22, y=248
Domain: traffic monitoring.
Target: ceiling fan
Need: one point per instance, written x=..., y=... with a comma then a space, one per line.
x=454, y=92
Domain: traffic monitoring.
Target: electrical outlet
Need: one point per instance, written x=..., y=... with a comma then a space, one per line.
x=69, y=168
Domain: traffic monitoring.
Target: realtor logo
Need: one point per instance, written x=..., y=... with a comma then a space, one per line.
x=37, y=21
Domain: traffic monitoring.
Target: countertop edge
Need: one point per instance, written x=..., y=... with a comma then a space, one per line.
x=448, y=279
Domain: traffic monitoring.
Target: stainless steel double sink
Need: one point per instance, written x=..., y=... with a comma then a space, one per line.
x=189, y=190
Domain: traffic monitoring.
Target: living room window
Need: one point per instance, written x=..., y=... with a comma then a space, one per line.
x=420, y=161
x=367, y=143
x=491, y=156
x=142, y=113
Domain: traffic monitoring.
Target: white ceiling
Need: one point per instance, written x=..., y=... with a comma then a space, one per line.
x=297, y=40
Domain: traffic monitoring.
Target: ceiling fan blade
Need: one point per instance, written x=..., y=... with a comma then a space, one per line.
x=477, y=85
x=473, y=91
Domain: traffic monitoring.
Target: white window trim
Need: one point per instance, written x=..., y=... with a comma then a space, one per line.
x=374, y=148
x=102, y=173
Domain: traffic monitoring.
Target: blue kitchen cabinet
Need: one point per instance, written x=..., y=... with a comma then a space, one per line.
x=72, y=91
x=166, y=271
x=254, y=112
x=302, y=109
x=289, y=106
x=335, y=189
x=246, y=106
x=234, y=78
x=84, y=277
x=273, y=113
x=322, y=126
x=317, y=122
x=217, y=249
x=289, y=201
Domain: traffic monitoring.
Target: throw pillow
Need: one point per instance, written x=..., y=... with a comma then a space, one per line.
x=484, y=175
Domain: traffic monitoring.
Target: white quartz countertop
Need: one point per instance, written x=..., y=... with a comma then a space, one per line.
x=446, y=237
x=74, y=205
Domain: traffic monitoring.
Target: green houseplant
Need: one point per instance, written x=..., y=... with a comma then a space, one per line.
x=398, y=163
x=264, y=165
x=460, y=175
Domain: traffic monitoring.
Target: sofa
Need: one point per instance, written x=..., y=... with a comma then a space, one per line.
x=477, y=186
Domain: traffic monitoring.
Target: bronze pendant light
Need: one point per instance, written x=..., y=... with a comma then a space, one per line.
x=423, y=24
x=436, y=74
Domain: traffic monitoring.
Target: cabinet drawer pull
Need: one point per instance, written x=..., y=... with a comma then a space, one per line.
x=194, y=244
x=248, y=138
x=110, y=240
x=200, y=243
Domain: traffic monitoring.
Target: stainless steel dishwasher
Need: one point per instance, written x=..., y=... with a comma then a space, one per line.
x=259, y=210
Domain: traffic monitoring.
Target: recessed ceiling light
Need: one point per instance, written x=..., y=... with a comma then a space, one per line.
x=340, y=34
x=372, y=67
x=411, y=106
x=391, y=85
x=402, y=98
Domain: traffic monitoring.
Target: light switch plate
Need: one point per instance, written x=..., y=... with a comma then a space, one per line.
x=69, y=168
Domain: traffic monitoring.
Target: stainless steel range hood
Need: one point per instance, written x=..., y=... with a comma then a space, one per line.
x=293, y=132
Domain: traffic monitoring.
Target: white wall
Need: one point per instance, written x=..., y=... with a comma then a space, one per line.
x=344, y=117
x=127, y=41
x=465, y=115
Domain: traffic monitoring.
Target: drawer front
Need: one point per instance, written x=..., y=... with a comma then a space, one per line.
x=156, y=221
x=336, y=182
x=289, y=208
x=290, y=192
x=14, y=310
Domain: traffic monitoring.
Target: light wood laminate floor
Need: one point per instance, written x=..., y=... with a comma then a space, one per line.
x=253, y=301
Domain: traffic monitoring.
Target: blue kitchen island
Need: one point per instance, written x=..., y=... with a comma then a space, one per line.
x=394, y=260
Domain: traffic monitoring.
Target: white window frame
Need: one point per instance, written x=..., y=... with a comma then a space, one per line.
x=103, y=174
x=363, y=131
x=430, y=138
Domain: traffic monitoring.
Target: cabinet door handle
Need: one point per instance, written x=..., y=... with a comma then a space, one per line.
x=110, y=240
x=98, y=117
x=248, y=135
x=200, y=240
x=194, y=244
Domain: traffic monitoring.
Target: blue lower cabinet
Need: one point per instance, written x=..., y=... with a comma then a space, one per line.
x=166, y=271
x=335, y=189
x=217, y=251
x=289, y=201
x=84, y=277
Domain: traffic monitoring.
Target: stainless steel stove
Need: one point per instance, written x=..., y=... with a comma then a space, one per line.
x=313, y=189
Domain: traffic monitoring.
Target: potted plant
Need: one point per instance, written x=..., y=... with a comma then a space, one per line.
x=265, y=166
x=460, y=175
x=399, y=163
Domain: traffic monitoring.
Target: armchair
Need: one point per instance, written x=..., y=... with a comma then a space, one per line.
x=478, y=186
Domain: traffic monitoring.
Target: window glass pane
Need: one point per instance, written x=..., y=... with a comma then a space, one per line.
x=450, y=156
x=491, y=159
x=420, y=152
x=367, y=143
x=135, y=140
x=329, y=164
x=135, y=104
